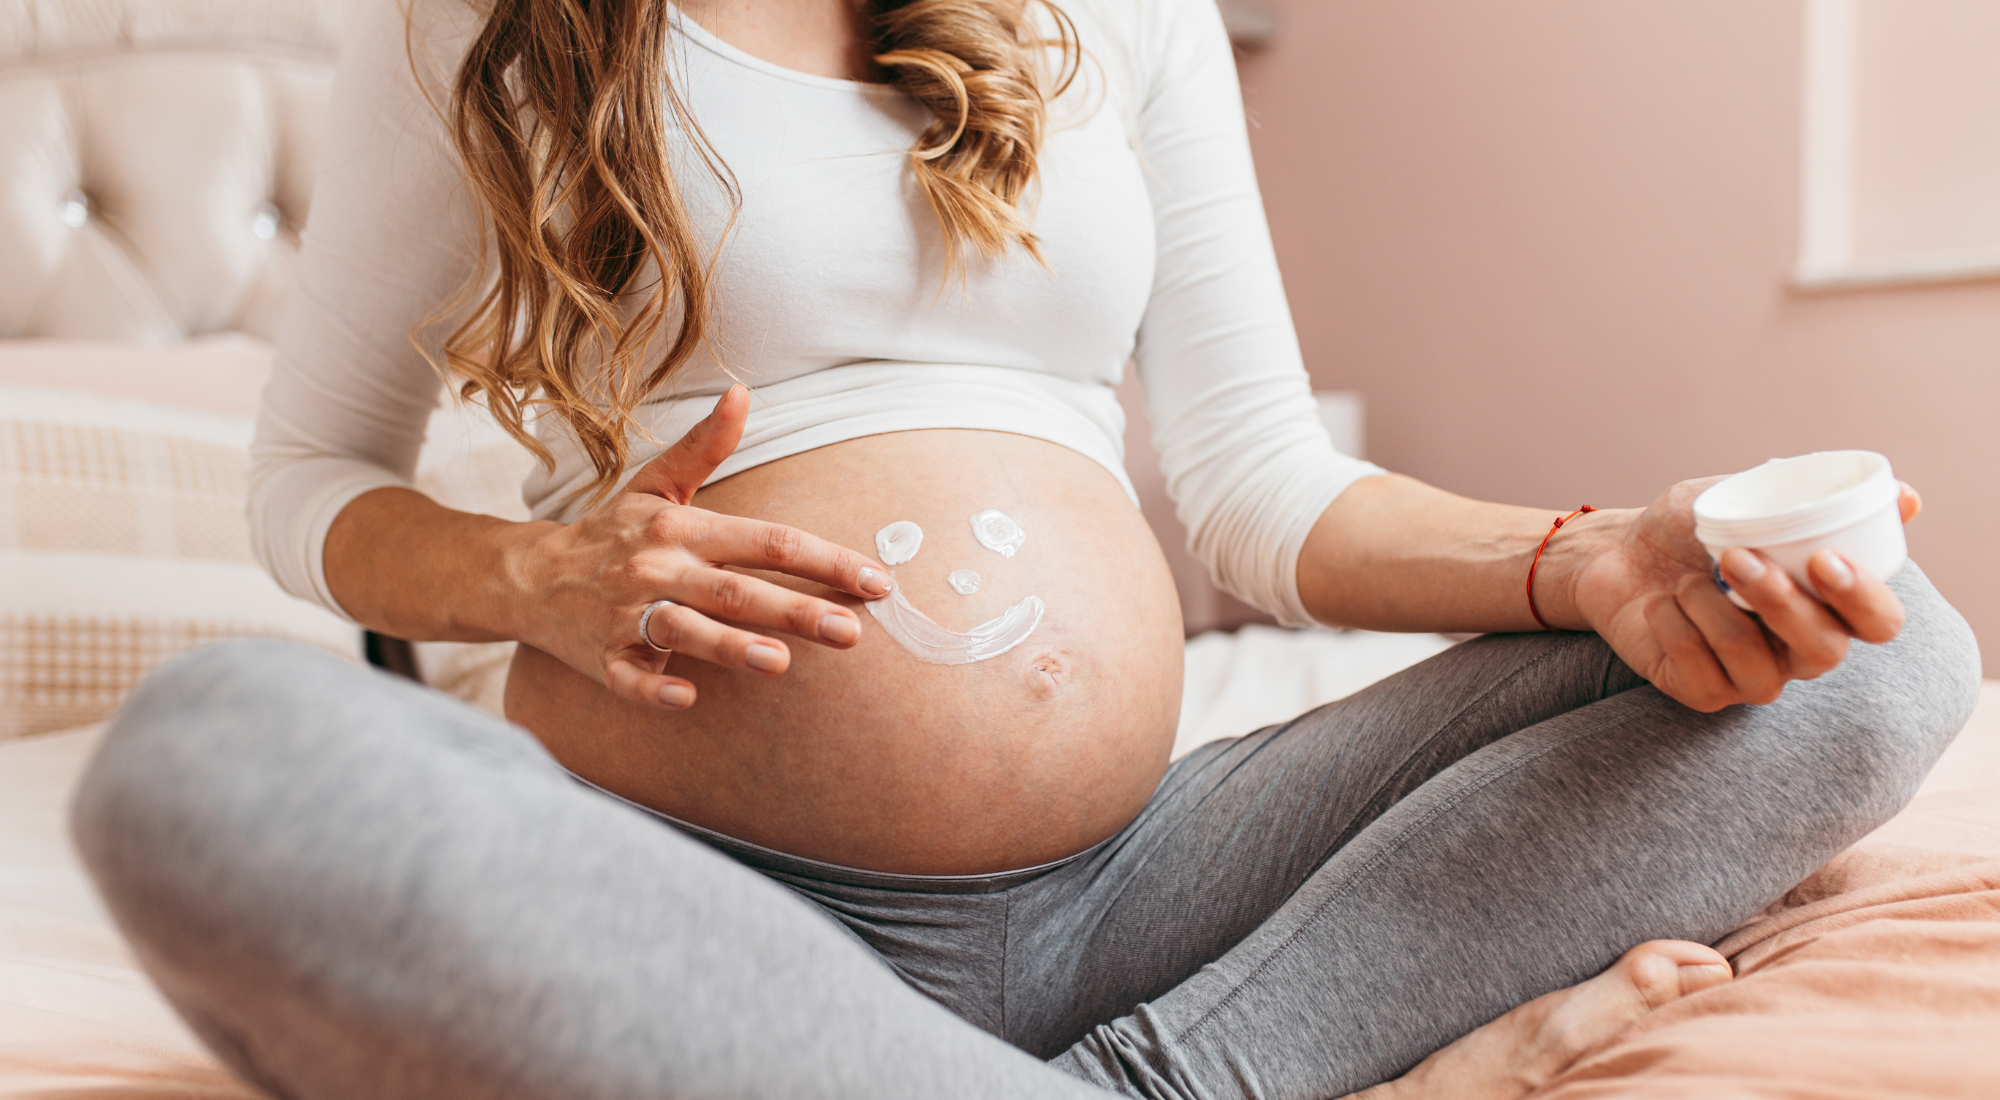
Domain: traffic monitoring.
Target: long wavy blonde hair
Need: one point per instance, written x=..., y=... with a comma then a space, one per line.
x=560, y=113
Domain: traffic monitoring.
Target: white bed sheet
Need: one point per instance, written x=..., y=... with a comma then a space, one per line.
x=1257, y=675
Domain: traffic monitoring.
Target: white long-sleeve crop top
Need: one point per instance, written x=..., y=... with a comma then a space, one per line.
x=829, y=297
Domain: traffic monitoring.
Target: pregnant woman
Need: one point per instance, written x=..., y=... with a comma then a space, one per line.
x=851, y=692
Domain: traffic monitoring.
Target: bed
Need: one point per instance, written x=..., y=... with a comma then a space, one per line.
x=158, y=154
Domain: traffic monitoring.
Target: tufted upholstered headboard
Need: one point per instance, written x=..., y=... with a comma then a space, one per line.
x=156, y=162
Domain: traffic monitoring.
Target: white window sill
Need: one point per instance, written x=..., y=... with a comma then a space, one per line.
x=1898, y=271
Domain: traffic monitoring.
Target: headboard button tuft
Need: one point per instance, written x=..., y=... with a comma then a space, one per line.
x=75, y=209
x=264, y=223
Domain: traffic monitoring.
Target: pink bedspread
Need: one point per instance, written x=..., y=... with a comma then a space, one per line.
x=1878, y=977
x=78, y=1020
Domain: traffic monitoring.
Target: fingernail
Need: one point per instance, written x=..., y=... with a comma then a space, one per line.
x=874, y=582
x=765, y=658
x=1744, y=567
x=1834, y=569
x=677, y=696
x=839, y=629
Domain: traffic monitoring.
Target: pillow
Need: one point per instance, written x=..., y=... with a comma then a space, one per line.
x=467, y=463
x=223, y=373
x=122, y=543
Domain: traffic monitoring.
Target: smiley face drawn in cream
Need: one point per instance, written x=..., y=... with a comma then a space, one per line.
x=927, y=641
x=898, y=542
x=919, y=633
x=998, y=532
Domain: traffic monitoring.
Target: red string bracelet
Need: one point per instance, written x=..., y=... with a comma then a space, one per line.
x=1532, y=609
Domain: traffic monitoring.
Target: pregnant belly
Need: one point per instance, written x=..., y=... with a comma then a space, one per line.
x=871, y=757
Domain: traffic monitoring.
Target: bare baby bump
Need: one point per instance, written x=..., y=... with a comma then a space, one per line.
x=1012, y=703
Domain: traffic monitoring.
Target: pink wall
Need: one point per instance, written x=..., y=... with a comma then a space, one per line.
x=1549, y=240
x=1927, y=176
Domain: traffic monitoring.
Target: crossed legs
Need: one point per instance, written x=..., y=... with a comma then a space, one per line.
x=350, y=886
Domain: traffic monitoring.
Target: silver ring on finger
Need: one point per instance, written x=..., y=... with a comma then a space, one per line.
x=646, y=622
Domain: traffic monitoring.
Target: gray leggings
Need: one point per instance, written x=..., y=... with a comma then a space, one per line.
x=352, y=887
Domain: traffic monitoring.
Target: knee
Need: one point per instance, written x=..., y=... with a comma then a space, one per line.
x=146, y=773
x=1882, y=718
x=240, y=751
x=188, y=788
x=161, y=791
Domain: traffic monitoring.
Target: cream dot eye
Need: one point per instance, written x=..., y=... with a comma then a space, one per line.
x=998, y=532
x=898, y=542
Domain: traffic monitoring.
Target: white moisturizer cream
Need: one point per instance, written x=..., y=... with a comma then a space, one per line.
x=998, y=532
x=898, y=542
x=928, y=641
x=919, y=633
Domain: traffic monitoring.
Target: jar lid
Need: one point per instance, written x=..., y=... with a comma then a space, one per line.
x=1789, y=499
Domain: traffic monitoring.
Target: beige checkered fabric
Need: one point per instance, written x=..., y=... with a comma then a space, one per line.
x=118, y=549
x=106, y=491
x=57, y=673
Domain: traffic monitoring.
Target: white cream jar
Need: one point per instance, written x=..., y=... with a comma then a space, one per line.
x=1789, y=509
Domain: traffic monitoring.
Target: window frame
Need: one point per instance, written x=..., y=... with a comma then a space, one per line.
x=1827, y=261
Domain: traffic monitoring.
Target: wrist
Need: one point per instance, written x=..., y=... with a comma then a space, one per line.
x=1567, y=555
x=515, y=584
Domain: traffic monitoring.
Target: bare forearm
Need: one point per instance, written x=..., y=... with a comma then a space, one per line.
x=1392, y=553
x=404, y=565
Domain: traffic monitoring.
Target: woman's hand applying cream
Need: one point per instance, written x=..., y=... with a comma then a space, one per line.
x=405, y=565
x=649, y=542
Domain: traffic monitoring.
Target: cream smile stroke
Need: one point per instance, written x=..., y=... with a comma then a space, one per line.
x=928, y=641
